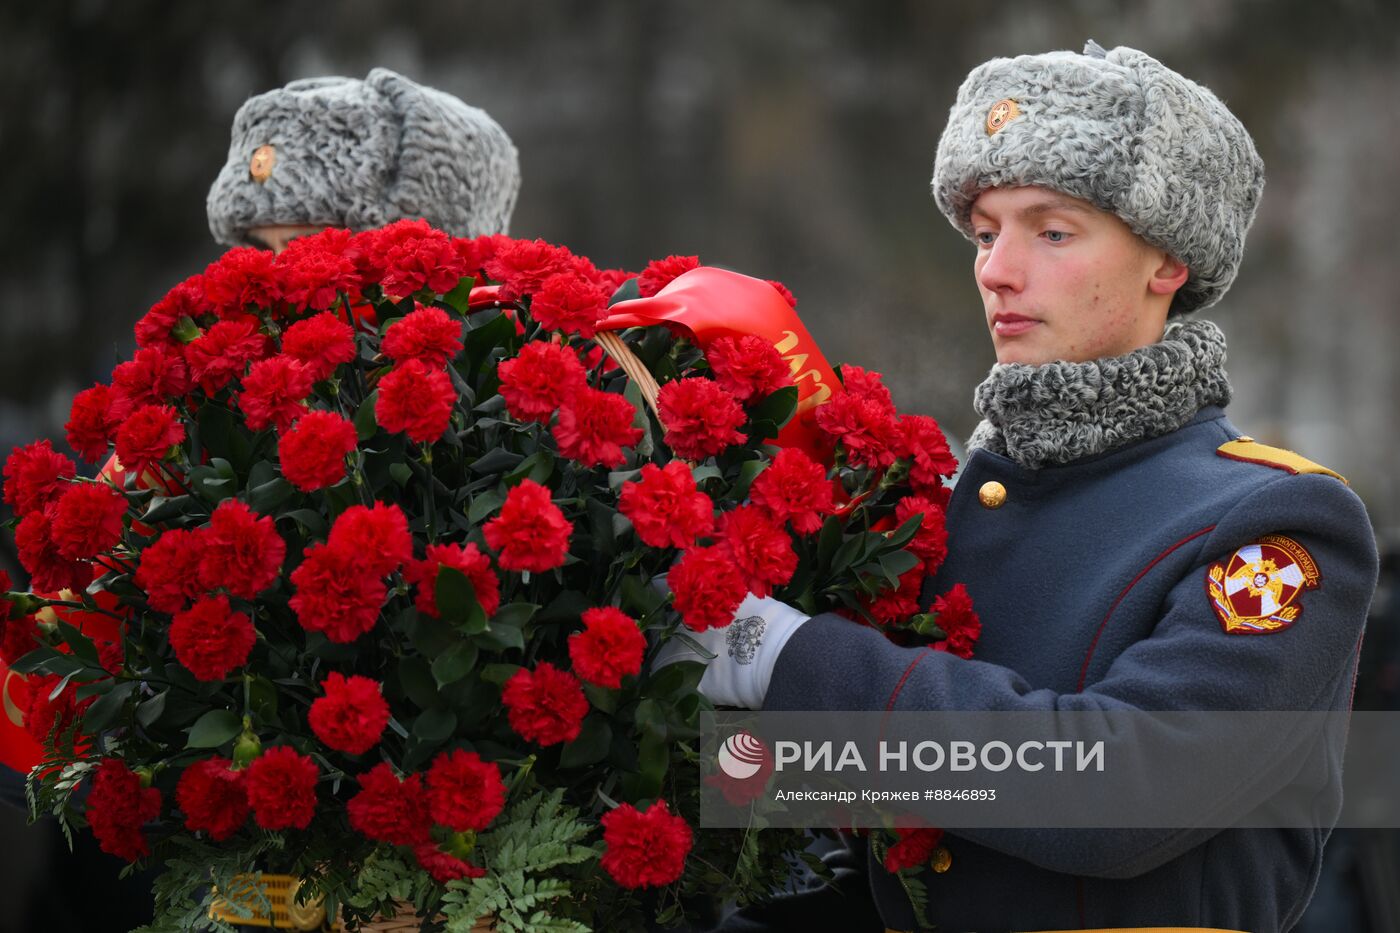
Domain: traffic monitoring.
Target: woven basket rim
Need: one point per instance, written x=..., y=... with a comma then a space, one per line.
x=634, y=368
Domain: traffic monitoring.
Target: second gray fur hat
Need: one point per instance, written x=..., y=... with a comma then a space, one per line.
x=1120, y=130
x=349, y=153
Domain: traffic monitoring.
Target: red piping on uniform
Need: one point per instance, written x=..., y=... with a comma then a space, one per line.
x=1088, y=655
x=907, y=671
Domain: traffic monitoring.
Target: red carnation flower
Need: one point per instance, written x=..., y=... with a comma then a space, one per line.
x=242, y=278
x=154, y=376
x=913, y=850
x=273, y=392
x=147, y=436
x=169, y=571
x=87, y=520
x=91, y=425
x=389, y=810
x=377, y=535
x=155, y=328
x=795, y=488
x=930, y=542
x=415, y=400
x=521, y=266
x=18, y=636
x=223, y=352
x=242, y=552
x=783, y=290
x=708, y=587
x=570, y=303
x=896, y=604
x=594, y=426
x=210, y=639
x=46, y=714
x=49, y=571
x=320, y=343
x=761, y=548
x=609, y=648
x=470, y=561
x=281, y=788
x=958, y=620
x=476, y=252
x=539, y=380
x=545, y=705
x=748, y=366
x=110, y=655
x=610, y=280
x=922, y=439
x=352, y=714
x=867, y=385
x=118, y=807
x=644, y=848
x=530, y=533
x=213, y=798
x=414, y=256
x=665, y=506
x=313, y=452
x=700, y=417
x=464, y=793
x=316, y=270
x=442, y=867
x=863, y=426
x=335, y=594
x=35, y=477
x=428, y=334
x=659, y=273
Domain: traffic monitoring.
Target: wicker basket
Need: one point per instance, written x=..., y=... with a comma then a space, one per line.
x=281, y=891
x=614, y=347
x=287, y=914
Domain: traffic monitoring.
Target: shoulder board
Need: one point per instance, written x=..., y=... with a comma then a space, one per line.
x=1246, y=449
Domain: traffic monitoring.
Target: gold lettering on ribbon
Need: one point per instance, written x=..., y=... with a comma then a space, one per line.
x=12, y=709
x=820, y=391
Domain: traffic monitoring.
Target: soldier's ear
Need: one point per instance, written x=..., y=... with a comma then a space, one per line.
x=1171, y=273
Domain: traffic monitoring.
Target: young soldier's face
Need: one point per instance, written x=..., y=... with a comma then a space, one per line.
x=276, y=237
x=1062, y=280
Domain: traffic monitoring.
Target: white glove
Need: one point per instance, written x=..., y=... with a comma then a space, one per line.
x=745, y=650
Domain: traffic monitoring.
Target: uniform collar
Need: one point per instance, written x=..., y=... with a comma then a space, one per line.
x=1041, y=416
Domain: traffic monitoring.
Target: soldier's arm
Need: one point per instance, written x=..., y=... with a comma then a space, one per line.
x=1188, y=663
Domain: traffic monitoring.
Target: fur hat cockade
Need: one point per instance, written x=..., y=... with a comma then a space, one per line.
x=350, y=153
x=1117, y=129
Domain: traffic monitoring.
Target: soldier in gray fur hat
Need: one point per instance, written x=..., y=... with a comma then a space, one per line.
x=1105, y=498
x=349, y=153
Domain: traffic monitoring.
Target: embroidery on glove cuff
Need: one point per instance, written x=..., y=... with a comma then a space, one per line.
x=744, y=637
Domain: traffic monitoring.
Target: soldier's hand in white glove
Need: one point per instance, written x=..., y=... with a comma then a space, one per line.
x=745, y=651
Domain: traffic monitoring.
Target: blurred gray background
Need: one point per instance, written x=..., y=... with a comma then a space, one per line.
x=790, y=140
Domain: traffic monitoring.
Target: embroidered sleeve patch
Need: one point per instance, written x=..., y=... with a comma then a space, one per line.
x=1258, y=590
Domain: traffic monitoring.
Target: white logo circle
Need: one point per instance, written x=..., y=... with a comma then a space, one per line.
x=741, y=756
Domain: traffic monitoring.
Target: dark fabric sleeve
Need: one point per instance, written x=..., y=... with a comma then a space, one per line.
x=1188, y=663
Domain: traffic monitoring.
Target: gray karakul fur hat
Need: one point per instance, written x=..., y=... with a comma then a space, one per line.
x=1117, y=129
x=350, y=153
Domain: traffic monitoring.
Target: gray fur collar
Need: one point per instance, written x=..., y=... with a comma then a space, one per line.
x=1047, y=415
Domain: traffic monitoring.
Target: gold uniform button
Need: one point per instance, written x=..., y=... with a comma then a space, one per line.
x=942, y=860
x=992, y=494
